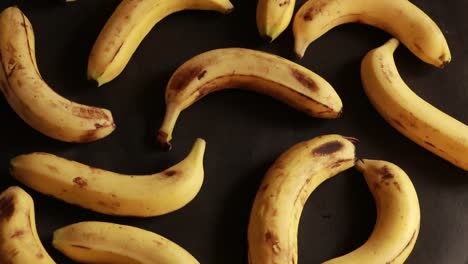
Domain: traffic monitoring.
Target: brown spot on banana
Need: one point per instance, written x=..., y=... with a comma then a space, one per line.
x=170, y=173
x=89, y=112
x=183, y=78
x=303, y=79
x=80, y=182
x=17, y=234
x=327, y=148
x=404, y=248
x=7, y=207
x=284, y=3
x=385, y=173
x=80, y=247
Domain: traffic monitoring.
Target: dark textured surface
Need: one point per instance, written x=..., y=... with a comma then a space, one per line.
x=245, y=132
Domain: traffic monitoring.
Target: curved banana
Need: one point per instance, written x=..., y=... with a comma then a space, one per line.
x=249, y=69
x=274, y=219
x=111, y=193
x=274, y=16
x=100, y=242
x=407, y=112
x=32, y=99
x=400, y=18
x=398, y=216
x=128, y=26
x=19, y=241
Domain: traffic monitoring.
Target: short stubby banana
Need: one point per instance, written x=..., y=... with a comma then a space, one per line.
x=254, y=70
x=398, y=216
x=274, y=16
x=101, y=242
x=401, y=18
x=111, y=193
x=407, y=112
x=274, y=219
x=128, y=26
x=19, y=241
x=32, y=99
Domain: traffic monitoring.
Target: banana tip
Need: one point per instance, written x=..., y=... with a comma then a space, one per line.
x=162, y=140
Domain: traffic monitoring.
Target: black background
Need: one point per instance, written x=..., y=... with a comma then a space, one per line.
x=245, y=131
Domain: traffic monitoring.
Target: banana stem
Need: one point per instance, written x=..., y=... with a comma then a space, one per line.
x=164, y=134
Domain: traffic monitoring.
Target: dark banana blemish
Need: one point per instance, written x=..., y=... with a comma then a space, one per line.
x=398, y=123
x=81, y=247
x=170, y=173
x=397, y=185
x=52, y=168
x=80, y=182
x=416, y=45
x=273, y=241
x=111, y=206
x=201, y=75
x=7, y=207
x=264, y=187
x=339, y=162
x=385, y=173
x=285, y=2
x=328, y=148
x=181, y=79
x=429, y=144
x=313, y=11
x=305, y=80
x=89, y=112
x=17, y=234
x=39, y=255
x=116, y=53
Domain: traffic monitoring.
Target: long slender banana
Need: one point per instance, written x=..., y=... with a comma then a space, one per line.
x=100, y=242
x=274, y=16
x=248, y=69
x=405, y=21
x=111, y=193
x=398, y=216
x=407, y=112
x=19, y=241
x=274, y=220
x=32, y=99
x=128, y=26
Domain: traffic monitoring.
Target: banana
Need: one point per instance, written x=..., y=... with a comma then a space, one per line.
x=274, y=16
x=19, y=241
x=32, y=99
x=398, y=216
x=111, y=193
x=100, y=242
x=407, y=112
x=249, y=69
x=128, y=26
x=405, y=21
x=274, y=219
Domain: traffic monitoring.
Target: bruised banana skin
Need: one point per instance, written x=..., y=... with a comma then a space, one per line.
x=112, y=193
x=249, y=69
x=100, y=242
x=401, y=18
x=32, y=99
x=274, y=219
x=408, y=113
x=398, y=216
x=128, y=26
x=19, y=241
x=274, y=16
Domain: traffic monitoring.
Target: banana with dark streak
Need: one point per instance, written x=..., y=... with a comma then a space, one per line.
x=248, y=69
x=32, y=99
x=398, y=216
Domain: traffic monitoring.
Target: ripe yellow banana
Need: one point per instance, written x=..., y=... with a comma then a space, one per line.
x=111, y=193
x=128, y=26
x=248, y=69
x=274, y=16
x=401, y=18
x=408, y=113
x=19, y=241
x=32, y=99
x=274, y=220
x=398, y=216
x=100, y=242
